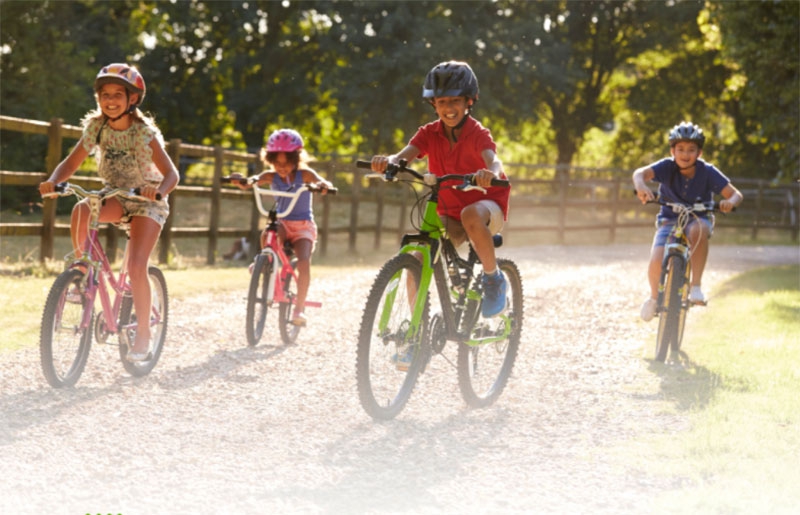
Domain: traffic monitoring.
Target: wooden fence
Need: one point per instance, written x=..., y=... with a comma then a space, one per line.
x=537, y=205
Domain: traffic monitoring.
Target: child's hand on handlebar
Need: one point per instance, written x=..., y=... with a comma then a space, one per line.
x=150, y=192
x=483, y=178
x=236, y=178
x=645, y=195
x=726, y=206
x=379, y=163
x=46, y=187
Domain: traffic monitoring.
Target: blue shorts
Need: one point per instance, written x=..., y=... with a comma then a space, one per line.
x=664, y=227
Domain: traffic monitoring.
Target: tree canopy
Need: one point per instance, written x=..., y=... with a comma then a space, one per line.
x=591, y=83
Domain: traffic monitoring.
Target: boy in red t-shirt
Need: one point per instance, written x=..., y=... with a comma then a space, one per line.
x=458, y=143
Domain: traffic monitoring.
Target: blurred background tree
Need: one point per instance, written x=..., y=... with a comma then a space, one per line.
x=579, y=83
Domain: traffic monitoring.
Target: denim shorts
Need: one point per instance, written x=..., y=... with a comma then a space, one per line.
x=664, y=227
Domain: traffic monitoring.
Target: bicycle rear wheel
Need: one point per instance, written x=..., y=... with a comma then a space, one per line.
x=289, y=331
x=63, y=342
x=671, y=314
x=158, y=319
x=484, y=369
x=257, y=299
x=390, y=354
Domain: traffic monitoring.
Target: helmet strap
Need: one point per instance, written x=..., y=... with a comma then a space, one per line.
x=457, y=127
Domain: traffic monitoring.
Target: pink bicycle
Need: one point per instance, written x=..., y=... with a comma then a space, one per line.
x=273, y=276
x=69, y=319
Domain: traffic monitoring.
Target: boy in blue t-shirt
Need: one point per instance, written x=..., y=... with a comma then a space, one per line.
x=686, y=179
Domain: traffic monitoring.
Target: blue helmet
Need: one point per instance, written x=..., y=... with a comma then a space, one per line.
x=687, y=131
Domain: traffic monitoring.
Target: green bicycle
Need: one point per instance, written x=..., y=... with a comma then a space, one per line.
x=398, y=336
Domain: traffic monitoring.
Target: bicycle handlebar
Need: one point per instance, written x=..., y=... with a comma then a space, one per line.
x=66, y=189
x=697, y=207
x=392, y=169
x=294, y=195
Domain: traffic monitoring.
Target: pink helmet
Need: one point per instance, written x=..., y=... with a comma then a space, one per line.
x=284, y=140
x=123, y=74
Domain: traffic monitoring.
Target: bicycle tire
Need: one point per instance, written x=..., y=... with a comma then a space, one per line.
x=63, y=344
x=288, y=330
x=257, y=299
x=484, y=370
x=670, y=313
x=158, y=332
x=383, y=388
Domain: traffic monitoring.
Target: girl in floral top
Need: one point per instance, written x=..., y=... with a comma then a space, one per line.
x=130, y=154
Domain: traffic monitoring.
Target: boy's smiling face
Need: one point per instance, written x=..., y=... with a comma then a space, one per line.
x=685, y=153
x=452, y=110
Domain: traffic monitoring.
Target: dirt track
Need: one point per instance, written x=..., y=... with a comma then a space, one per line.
x=222, y=428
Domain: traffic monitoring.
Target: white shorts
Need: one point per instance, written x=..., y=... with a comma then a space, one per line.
x=496, y=221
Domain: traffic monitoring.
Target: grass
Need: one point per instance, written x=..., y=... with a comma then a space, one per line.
x=739, y=387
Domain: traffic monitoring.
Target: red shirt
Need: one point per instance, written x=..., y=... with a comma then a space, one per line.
x=463, y=158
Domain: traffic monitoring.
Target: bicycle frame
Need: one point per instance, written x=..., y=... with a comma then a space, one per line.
x=272, y=246
x=99, y=274
x=430, y=243
x=678, y=242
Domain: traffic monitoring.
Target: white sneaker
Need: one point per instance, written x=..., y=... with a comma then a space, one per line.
x=696, y=296
x=648, y=310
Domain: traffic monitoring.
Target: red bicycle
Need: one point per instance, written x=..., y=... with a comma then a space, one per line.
x=273, y=274
x=69, y=319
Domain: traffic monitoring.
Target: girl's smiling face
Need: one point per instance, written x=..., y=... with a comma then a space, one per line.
x=451, y=110
x=114, y=99
x=282, y=165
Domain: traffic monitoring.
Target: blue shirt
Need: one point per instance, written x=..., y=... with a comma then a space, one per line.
x=674, y=187
x=302, y=209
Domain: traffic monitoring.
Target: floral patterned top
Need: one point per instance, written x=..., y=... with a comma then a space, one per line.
x=124, y=158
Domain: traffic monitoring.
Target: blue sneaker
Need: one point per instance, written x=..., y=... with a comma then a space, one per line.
x=494, y=294
x=403, y=358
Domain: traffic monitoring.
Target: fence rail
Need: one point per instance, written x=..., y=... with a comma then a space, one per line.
x=568, y=205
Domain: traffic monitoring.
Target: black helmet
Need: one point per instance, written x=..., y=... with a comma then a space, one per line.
x=687, y=131
x=450, y=79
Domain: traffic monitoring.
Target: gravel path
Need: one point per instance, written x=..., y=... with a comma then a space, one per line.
x=222, y=428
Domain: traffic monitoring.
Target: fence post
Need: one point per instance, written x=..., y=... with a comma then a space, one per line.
x=356, y=193
x=759, y=201
x=379, y=214
x=174, y=152
x=213, y=227
x=255, y=216
x=326, y=216
x=562, y=205
x=54, y=149
x=614, y=207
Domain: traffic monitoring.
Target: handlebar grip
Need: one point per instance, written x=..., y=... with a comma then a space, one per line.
x=138, y=191
x=232, y=180
x=504, y=183
x=364, y=164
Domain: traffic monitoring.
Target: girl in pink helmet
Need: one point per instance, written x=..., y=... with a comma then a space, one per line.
x=129, y=152
x=288, y=160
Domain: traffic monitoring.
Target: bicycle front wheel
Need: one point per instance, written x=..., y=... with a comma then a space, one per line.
x=391, y=352
x=672, y=314
x=257, y=299
x=288, y=330
x=159, y=316
x=64, y=342
x=484, y=368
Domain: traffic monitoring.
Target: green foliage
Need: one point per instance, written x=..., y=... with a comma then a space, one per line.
x=591, y=83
